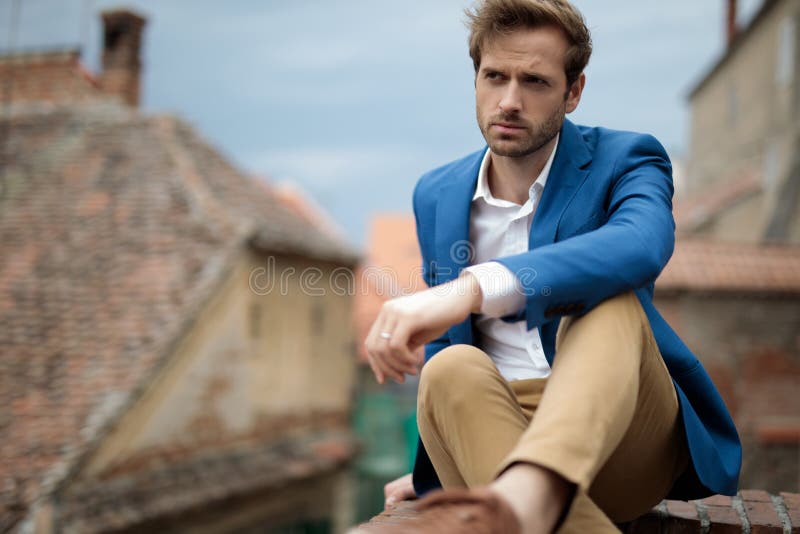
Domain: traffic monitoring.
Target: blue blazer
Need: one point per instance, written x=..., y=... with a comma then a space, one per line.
x=603, y=226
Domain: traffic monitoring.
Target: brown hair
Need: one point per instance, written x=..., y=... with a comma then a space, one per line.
x=501, y=17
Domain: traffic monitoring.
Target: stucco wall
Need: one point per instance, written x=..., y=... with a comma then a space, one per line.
x=256, y=352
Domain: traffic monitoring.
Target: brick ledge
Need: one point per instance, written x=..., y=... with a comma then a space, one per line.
x=751, y=511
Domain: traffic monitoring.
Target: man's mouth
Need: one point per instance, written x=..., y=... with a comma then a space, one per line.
x=507, y=127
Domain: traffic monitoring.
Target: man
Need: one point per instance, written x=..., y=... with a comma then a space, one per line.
x=554, y=396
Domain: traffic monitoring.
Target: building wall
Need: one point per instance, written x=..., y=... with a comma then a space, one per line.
x=745, y=117
x=255, y=354
x=743, y=222
x=750, y=346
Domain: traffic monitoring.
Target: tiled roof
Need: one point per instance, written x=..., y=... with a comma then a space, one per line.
x=180, y=488
x=300, y=203
x=114, y=230
x=692, y=212
x=49, y=75
x=705, y=265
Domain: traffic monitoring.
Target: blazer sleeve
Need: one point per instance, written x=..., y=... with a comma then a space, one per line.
x=627, y=252
x=425, y=233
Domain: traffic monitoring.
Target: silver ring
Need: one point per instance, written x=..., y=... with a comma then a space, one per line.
x=386, y=335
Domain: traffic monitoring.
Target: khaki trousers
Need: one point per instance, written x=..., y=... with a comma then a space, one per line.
x=606, y=419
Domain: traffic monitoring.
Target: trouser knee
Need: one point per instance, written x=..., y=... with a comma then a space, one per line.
x=453, y=376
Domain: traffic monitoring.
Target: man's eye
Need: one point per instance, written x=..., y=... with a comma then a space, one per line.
x=537, y=81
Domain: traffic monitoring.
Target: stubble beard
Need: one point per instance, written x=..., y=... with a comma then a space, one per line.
x=538, y=135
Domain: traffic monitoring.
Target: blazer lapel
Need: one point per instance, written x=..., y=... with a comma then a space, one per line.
x=566, y=175
x=453, y=249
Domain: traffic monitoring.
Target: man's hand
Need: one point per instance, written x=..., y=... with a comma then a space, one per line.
x=406, y=323
x=398, y=490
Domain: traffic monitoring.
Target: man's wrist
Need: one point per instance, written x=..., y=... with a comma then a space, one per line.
x=473, y=288
x=501, y=292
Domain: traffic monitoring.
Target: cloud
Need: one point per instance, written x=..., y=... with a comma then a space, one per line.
x=327, y=167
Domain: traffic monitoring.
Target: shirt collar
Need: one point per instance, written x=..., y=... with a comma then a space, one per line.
x=482, y=189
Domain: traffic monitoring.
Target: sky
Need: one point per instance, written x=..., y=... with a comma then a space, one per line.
x=352, y=100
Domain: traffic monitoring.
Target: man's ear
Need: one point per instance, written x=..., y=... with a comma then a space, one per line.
x=574, y=93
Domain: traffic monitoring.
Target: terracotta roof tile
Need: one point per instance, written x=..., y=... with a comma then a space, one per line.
x=705, y=265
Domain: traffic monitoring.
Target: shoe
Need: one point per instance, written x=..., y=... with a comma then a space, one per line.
x=454, y=511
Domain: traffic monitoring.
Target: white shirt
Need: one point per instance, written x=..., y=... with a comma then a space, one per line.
x=500, y=228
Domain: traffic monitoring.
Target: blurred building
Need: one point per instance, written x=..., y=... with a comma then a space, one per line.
x=732, y=289
x=745, y=132
x=737, y=306
x=385, y=416
x=392, y=267
x=176, y=345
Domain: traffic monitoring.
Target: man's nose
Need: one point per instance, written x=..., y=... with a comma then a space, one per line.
x=511, y=101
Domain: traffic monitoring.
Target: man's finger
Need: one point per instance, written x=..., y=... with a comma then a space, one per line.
x=375, y=346
x=398, y=345
x=385, y=361
x=398, y=490
x=375, y=369
x=385, y=333
x=389, y=366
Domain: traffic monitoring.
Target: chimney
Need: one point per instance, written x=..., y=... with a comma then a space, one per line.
x=122, y=43
x=732, y=28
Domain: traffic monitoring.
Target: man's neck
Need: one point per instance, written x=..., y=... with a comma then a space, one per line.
x=511, y=178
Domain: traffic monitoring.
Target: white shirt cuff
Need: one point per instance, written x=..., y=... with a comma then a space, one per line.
x=502, y=292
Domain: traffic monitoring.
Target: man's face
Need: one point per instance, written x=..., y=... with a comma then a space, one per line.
x=521, y=92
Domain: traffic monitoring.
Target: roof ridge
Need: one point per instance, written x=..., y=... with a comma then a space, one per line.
x=71, y=468
x=43, y=52
x=199, y=198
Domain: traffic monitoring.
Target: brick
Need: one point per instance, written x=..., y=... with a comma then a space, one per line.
x=792, y=502
x=763, y=518
x=683, y=518
x=682, y=509
x=755, y=496
x=717, y=500
x=724, y=520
